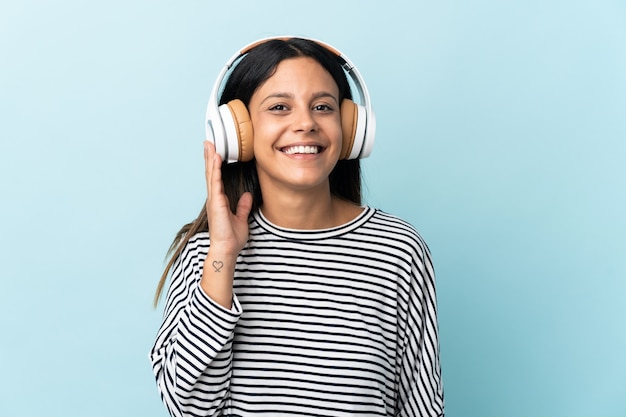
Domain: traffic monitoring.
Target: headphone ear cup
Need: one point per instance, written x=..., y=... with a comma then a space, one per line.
x=349, y=119
x=245, y=132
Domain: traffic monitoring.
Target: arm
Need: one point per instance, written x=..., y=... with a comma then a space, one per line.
x=418, y=369
x=229, y=231
x=192, y=355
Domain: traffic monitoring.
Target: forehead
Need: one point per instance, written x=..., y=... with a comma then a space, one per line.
x=300, y=73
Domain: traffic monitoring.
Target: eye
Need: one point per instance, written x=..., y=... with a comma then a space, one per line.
x=323, y=108
x=278, y=107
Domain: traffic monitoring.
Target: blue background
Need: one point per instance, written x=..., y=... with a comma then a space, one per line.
x=501, y=137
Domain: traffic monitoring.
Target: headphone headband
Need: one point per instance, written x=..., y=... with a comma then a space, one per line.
x=219, y=128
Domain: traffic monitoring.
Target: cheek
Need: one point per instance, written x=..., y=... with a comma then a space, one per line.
x=263, y=133
x=336, y=134
x=263, y=138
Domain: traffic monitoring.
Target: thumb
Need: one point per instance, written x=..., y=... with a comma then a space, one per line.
x=244, y=205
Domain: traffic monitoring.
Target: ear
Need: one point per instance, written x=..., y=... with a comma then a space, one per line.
x=245, y=132
x=349, y=119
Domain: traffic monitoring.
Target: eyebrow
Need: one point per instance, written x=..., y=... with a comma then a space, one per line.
x=318, y=95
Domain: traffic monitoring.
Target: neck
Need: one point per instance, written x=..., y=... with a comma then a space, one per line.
x=308, y=210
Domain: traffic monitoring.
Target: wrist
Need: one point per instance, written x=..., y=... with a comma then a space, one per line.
x=222, y=254
x=217, y=275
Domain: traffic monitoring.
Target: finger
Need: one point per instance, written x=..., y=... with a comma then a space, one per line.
x=216, y=185
x=209, y=151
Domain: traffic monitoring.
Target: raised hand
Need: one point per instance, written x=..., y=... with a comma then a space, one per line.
x=228, y=231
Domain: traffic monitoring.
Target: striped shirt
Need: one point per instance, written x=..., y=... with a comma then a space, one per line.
x=331, y=322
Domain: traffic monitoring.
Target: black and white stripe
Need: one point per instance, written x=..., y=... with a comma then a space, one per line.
x=330, y=322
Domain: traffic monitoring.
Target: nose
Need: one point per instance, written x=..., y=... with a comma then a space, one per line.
x=303, y=120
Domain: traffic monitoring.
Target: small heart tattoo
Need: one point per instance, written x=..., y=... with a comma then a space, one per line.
x=217, y=265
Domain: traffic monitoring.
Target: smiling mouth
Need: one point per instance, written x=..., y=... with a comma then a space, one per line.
x=303, y=150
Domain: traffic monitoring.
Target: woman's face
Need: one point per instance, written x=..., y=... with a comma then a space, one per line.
x=297, y=127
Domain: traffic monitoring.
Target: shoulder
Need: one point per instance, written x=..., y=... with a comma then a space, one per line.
x=194, y=251
x=395, y=231
x=393, y=225
x=409, y=240
x=197, y=242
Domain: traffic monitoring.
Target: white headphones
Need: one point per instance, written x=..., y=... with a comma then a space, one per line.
x=229, y=127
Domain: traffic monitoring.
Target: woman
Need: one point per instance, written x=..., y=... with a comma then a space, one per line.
x=287, y=296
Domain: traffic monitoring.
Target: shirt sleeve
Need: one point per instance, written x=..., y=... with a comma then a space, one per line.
x=418, y=371
x=192, y=354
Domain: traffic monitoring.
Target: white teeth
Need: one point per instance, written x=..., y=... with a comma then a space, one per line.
x=301, y=149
